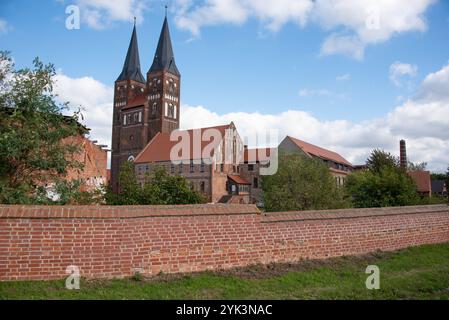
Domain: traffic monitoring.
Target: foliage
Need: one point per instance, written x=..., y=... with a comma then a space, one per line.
x=421, y=166
x=159, y=188
x=34, y=151
x=387, y=185
x=301, y=183
x=379, y=159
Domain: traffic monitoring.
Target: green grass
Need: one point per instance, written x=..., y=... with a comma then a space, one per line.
x=414, y=273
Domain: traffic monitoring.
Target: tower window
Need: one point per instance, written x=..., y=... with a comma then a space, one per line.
x=154, y=109
x=171, y=111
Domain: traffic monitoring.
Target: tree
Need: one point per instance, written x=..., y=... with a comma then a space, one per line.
x=379, y=159
x=420, y=166
x=384, y=184
x=33, y=129
x=301, y=183
x=159, y=188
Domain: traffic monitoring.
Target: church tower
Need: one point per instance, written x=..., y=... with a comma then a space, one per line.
x=144, y=108
x=127, y=115
x=163, y=86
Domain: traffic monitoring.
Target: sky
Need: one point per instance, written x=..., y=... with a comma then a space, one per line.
x=349, y=75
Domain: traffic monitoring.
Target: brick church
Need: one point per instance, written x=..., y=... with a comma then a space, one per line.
x=147, y=113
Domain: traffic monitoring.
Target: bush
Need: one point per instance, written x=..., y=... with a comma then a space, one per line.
x=389, y=186
x=301, y=183
x=160, y=188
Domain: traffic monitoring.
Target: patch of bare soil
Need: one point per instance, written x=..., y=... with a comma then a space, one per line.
x=261, y=271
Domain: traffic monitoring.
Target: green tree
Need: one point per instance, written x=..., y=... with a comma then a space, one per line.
x=33, y=152
x=379, y=159
x=159, y=188
x=384, y=184
x=420, y=166
x=301, y=183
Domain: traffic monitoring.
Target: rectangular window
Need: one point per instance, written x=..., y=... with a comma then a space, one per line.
x=256, y=183
x=172, y=168
x=250, y=167
x=140, y=116
x=203, y=187
x=166, y=109
x=174, y=112
x=202, y=167
x=192, y=166
x=180, y=168
x=124, y=120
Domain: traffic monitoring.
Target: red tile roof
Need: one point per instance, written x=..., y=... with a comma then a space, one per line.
x=422, y=180
x=238, y=179
x=159, y=148
x=319, y=152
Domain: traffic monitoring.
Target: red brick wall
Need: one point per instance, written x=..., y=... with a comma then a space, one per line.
x=40, y=242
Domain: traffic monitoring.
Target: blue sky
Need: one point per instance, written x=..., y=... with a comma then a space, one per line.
x=246, y=59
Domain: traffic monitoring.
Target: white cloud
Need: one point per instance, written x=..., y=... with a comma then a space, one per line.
x=344, y=77
x=423, y=121
x=4, y=27
x=350, y=46
x=273, y=14
x=399, y=70
x=310, y=92
x=96, y=100
x=353, y=24
x=100, y=14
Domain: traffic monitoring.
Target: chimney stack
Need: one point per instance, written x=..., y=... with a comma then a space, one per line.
x=403, y=154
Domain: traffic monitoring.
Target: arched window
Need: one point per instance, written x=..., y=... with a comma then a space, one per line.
x=131, y=158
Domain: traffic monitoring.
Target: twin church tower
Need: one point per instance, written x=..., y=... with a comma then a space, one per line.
x=142, y=108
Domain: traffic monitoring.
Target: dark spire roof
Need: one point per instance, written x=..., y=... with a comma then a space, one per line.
x=164, y=59
x=131, y=68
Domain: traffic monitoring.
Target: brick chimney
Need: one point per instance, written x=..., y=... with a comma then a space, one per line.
x=403, y=154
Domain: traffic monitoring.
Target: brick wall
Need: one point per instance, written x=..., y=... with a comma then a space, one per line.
x=40, y=242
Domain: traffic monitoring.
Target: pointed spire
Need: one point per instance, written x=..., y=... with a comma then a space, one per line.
x=164, y=58
x=131, y=67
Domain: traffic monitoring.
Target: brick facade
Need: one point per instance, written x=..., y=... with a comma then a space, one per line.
x=40, y=242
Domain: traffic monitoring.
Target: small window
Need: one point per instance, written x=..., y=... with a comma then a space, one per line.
x=256, y=183
x=192, y=167
x=202, y=167
x=250, y=167
x=221, y=167
x=154, y=109
x=172, y=168
x=203, y=187
x=180, y=168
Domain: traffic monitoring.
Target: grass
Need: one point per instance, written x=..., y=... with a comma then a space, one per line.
x=414, y=273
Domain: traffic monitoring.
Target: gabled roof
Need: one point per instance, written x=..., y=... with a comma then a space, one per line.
x=131, y=67
x=160, y=147
x=164, y=59
x=319, y=152
x=422, y=180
